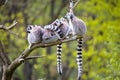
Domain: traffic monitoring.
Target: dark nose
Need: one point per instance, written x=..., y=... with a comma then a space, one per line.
x=28, y=31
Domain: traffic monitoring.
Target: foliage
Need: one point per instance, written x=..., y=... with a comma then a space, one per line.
x=101, y=46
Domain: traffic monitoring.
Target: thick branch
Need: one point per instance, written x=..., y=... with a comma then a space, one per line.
x=18, y=61
x=55, y=43
x=27, y=51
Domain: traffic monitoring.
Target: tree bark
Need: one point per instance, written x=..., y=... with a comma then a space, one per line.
x=1, y=69
x=28, y=68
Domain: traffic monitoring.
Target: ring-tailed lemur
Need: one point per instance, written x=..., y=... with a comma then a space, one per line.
x=79, y=29
x=61, y=27
x=36, y=34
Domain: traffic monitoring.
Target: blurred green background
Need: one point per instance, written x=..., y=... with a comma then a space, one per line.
x=101, y=55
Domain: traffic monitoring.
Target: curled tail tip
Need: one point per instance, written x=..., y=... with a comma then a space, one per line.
x=79, y=78
x=60, y=73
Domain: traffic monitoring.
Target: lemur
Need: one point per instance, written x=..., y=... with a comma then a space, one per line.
x=34, y=34
x=64, y=32
x=79, y=30
x=37, y=34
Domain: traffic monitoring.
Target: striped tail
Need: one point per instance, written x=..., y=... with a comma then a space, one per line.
x=59, y=46
x=59, y=32
x=55, y=29
x=59, y=51
x=59, y=64
x=79, y=58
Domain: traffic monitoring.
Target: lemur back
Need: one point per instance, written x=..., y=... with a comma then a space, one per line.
x=78, y=26
x=49, y=36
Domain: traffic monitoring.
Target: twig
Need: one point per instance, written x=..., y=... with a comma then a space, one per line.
x=76, y=3
x=28, y=58
x=33, y=57
x=16, y=34
x=9, y=27
x=12, y=25
x=71, y=5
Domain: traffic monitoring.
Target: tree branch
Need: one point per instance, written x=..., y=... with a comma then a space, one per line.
x=27, y=51
x=33, y=57
x=76, y=3
x=18, y=61
x=55, y=43
x=9, y=27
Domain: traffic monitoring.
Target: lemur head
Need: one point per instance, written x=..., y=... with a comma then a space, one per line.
x=69, y=14
x=34, y=28
x=29, y=28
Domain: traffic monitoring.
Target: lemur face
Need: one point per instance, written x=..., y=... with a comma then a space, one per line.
x=69, y=14
x=29, y=28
